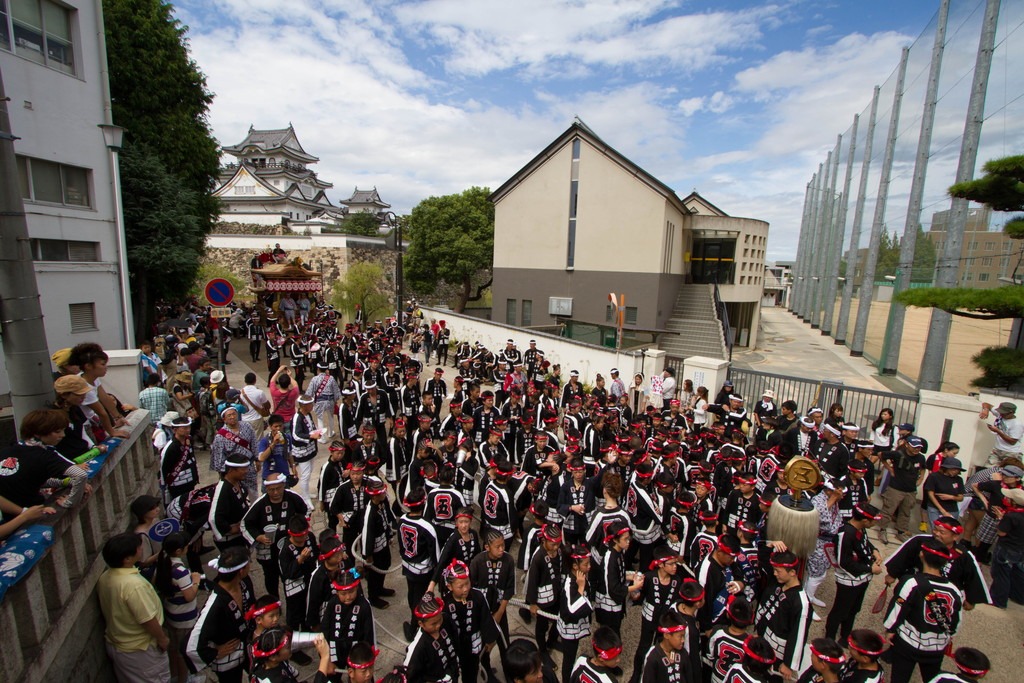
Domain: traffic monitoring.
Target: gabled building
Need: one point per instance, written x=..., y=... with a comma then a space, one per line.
x=269, y=181
x=580, y=220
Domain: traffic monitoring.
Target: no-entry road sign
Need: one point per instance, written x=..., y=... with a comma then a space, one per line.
x=219, y=292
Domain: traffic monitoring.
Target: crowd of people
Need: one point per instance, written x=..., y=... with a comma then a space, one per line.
x=570, y=505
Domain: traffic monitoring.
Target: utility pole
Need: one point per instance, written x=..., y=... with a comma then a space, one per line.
x=21, y=316
x=839, y=233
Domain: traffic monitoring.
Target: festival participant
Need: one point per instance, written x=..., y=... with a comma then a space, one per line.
x=691, y=599
x=664, y=662
x=332, y=561
x=857, y=562
x=432, y=654
x=865, y=647
x=377, y=530
x=304, y=439
x=614, y=586
x=972, y=666
x=350, y=502
x=361, y=660
x=963, y=570
x=575, y=608
x=419, y=549
x=463, y=545
x=784, y=615
x=657, y=597
x=272, y=652
x=827, y=662
x=235, y=441
x=543, y=583
x=719, y=579
x=467, y=619
x=923, y=616
x=602, y=667
x=219, y=638
x=757, y=665
x=228, y=505
x=347, y=617
x=326, y=393
x=297, y=560
x=179, y=472
x=724, y=646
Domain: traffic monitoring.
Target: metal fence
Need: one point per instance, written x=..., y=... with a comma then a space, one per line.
x=860, y=406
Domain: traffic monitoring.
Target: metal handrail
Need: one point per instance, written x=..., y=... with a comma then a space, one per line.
x=722, y=313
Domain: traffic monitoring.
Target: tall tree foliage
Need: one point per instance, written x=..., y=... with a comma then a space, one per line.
x=365, y=286
x=1002, y=189
x=452, y=242
x=160, y=97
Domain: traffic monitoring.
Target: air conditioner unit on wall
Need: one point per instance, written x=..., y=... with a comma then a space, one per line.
x=560, y=305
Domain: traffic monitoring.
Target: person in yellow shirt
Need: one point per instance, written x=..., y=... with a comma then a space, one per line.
x=136, y=642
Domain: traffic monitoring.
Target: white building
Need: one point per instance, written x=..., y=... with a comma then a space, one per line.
x=270, y=183
x=54, y=65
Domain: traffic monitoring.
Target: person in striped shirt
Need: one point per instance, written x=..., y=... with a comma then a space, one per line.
x=178, y=588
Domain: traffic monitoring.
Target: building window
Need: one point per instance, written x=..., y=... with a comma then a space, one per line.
x=83, y=317
x=969, y=277
x=245, y=189
x=982, y=277
x=986, y=260
x=527, y=312
x=990, y=246
x=47, y=181
x=631, y=315
x=65, y=250
x=41, y=32
x=574, y=189
x=510, y=311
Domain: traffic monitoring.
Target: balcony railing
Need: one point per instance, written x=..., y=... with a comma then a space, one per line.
x=50, y=621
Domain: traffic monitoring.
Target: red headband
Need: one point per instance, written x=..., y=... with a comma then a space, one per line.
x=467, y=515
x=457, y=569
x=420, y=614
x=971, y=672
x=544, y=530
x=609, y=654
x=662, y=560
x=339, y=586
x=366, y=665
x=728, y=610
x=331, y=553
x=936, y=553
x=679, y=628
x=414, y=503
x=260, y=654
x=695, y=599
x=299, y=534
x=955, y=528
x=864, y=512
x=864, y=651
x=827, y=659
x=579, y=556
x=750, y=653
x=260, y=611
x=610, y=537
x=787, y=565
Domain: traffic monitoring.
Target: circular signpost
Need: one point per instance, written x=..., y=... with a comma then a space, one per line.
x=219, y=292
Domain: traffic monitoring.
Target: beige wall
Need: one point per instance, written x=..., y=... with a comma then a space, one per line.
x=531, y=222
x=614, y=210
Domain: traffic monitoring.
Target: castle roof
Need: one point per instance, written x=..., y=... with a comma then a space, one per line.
x=272, y=140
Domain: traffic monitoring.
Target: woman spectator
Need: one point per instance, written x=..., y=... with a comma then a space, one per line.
x=637, y=394
x=34, y=463
x=146, y=511
x=835, y=416
x=883, y=430
x=235, y=440
x=700, y=408
x=284, y=393
x=71, y=391
x=178, y=587
x=976, y=507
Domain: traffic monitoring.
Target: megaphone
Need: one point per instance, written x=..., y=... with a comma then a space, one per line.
x=303, y=639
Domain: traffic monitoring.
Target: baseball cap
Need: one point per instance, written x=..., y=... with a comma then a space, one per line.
x=1006, y=408
x=915, y=442
x=951, y=464
x=71, y=384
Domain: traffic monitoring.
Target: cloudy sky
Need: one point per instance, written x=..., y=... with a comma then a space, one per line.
x=738, y=100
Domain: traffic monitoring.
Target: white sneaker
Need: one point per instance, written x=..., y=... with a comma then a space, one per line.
x=816, y=602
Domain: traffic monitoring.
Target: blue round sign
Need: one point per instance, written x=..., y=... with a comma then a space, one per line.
x=164, y=528
x=219, y=292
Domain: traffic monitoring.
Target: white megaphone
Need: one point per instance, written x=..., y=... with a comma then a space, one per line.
x=303, y=639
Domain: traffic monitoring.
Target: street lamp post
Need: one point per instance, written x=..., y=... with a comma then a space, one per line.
x=396, y=225
x=113, y=137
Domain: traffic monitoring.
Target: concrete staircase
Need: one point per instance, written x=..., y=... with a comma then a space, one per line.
x=695, y=327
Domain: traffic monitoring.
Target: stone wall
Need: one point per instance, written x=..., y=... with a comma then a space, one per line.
x=248, y=229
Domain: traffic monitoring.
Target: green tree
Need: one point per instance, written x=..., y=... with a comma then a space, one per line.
x=365, y=286
x=1001, y=188
x=888, y=255
x=923, y=269
x=362, y=223
x=160, y=97
x=164, y=237
x=209, y=271
x=451, y=241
